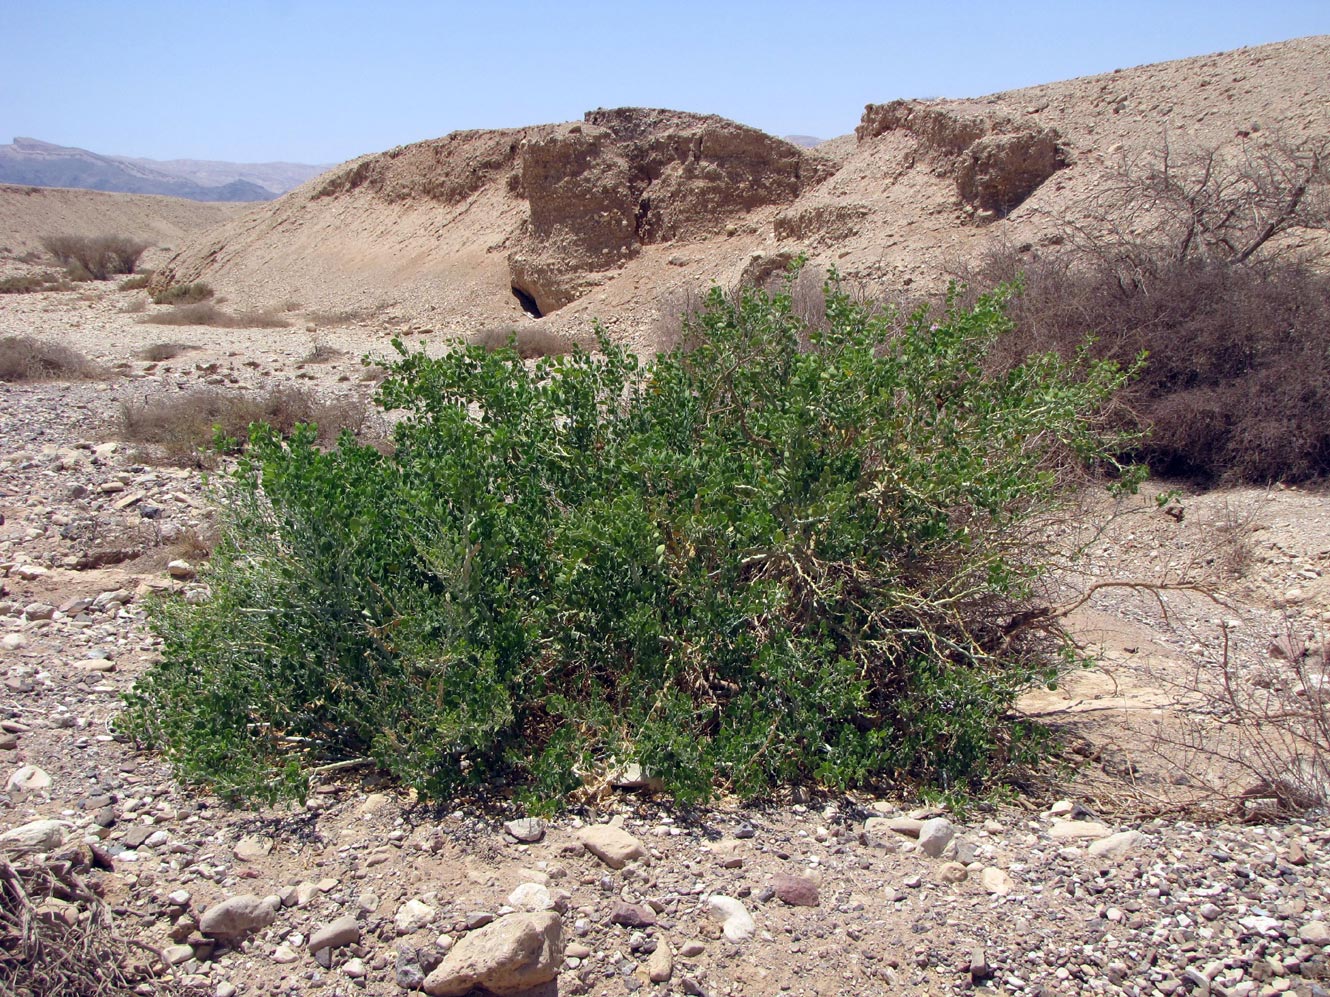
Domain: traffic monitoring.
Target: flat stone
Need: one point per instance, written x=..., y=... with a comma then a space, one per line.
x=27, y=780
x=34, y=836
x=237, y=916
x=632, y=915
x=531, y=897
x=797, y=891
x=1315, y=933
x=252, y=847
x=996, y=881
x=1115, y=847
x=515, y=953
x=660, y=964
x=335, y=934
x=526, y=829
x=952, y=873
x=612, y=845
x=1063, y=830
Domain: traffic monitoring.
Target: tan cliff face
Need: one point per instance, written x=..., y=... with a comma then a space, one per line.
x=608, y=217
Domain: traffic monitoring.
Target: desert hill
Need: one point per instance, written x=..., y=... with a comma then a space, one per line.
x=609, y=216
x=30, y=214
x=44, y=164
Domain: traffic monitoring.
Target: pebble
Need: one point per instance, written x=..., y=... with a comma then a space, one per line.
x=735, y=921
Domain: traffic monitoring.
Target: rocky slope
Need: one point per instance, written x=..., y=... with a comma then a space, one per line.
x=608, y=217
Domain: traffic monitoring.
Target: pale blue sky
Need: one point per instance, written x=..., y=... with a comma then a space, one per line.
x=255, y=80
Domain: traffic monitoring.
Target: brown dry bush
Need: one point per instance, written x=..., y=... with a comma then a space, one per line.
x=43, y=954
x=157, y=352
x=1237, y=383
x=136, y=283
x=185, y=424
x=99, y=257
x=26, y=358
x=530, y=343
x=206, y=313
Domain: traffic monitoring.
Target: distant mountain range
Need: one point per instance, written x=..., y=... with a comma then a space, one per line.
x=41, y=164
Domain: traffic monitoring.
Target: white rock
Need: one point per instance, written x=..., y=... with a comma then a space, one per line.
x=412, y=916
x=1067, y=829
x=27, y=780
x=996, y=881
x=612, y=845
x=508, y=956
x=251, y=847
x=1115, y=847
x=355, y=969
x=35, y=836
x=735, y=921
x=935, y=835
x=531, y=897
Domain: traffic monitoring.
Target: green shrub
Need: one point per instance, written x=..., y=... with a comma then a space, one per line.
x=780, y=555
x=136, y=283
x=183, y=294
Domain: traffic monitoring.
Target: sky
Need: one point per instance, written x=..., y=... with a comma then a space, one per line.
x=322, y=82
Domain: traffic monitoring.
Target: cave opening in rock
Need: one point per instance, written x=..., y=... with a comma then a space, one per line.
x=527, y=302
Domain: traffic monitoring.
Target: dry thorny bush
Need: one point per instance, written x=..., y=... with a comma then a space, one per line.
x=57, y=935
x=26, y=358
x=184, y=425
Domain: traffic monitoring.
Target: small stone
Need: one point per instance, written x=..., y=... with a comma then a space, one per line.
x=797, y=891
x=691, y=949
x=28, y=780
x=238, y=915
x=181, y=570
x=1209, y=911
x=612, y=845
x=1068, y=829
x=1115, y=847
x=996, y=881
x=176, y=954
x=35, y=836
x=952, y=873
x=336, y=934
x=39, y=611
x=516, y=953
x=660, y=964
x=935, y=835
x=531, y=897
x=979, y=967
x=284, y=955
x=1315, y=933
x=355, y=969
x=225, y=990
x=736, y=923
x=632, y=915
x=412, y=916
x=526, y=829
x=252, y=847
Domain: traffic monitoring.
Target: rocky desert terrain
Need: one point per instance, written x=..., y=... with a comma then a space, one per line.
x=1159, y=860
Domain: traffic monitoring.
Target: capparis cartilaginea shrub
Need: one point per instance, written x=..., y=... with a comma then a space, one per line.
x=774, y=554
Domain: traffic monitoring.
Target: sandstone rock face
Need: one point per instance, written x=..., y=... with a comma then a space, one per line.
x=630, y=177
x=997, y=162
x=512, y=954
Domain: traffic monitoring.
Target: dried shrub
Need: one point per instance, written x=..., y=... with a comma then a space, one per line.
x=32, y=283
x=158, y=352
x=183, y=294
x=45, y=952
x=1237, y=385
x=99, y=257
x=530, y=342
x=136, y=307
x=186, y=423
x=206, y=313
x=321, y=352
x=26, y=358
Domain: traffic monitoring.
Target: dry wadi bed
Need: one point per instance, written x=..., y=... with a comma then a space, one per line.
x=1110, y=890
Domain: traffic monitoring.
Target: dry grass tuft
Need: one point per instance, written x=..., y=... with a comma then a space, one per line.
x=26, y=358
x=183, y=294
x=530, y=343
x=206, y=313
x=158, y=352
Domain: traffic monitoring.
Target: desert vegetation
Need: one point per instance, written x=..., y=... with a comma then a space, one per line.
x=780, y=554
x=27, y=358
x=189, y=425
x=95, y=257
x=207, y=313
x=183, y=294
x=529, y=342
